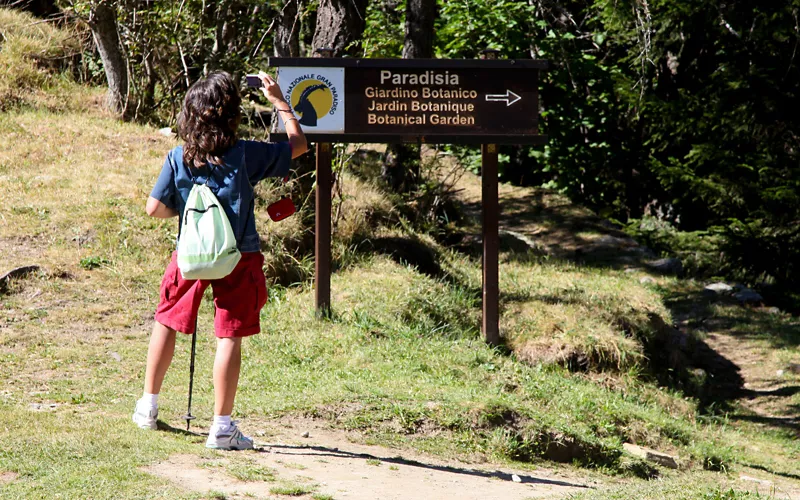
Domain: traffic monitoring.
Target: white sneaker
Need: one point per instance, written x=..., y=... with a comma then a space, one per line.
x=145, y=416
x=228, y=438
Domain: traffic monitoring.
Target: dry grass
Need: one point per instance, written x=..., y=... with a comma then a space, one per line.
x=32, y=53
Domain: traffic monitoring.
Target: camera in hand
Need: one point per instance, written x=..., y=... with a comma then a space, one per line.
x=254, y=81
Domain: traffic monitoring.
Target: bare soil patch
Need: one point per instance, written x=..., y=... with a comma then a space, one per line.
x=7, y=477
x=766, y=393
x=333, y=464
x=20, y=251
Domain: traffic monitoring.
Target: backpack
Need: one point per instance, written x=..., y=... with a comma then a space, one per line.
x=207, y=248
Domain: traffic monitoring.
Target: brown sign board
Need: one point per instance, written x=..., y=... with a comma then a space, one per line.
x=414, y=100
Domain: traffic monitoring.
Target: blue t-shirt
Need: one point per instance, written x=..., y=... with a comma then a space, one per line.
x=244, y=165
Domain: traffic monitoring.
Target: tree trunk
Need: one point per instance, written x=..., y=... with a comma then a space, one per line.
x=420, y=16
x=339, y=24
x=287, y=31
x=401, y=163
x=149, y=91
x=220, y=22
x=103, y=23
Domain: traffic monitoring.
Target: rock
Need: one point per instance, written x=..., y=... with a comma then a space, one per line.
x=36, y=406
x=305, y=434
x=564, y=449
x=16, y=273
x=516, y=478
x=669, y=265
x=651, y=455
x=630, y=270
x=646, y=280
x=773, y=310
x=719, y=288
x=644, y=252
x=779, y=373
x=519, y=242
x=166, y=132
x=115, y=355
x=747, y=296
x=610, y=225
x=755, y=480
x=615, y=242
x=699, y=373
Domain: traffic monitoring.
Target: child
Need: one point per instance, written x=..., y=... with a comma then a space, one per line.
x=211, y=153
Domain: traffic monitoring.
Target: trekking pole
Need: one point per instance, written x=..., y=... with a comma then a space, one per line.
x=188, y=417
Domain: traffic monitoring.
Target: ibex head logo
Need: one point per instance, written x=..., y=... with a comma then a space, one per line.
x=311, y=100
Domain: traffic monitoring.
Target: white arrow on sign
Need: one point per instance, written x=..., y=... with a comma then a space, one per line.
x=509, y=97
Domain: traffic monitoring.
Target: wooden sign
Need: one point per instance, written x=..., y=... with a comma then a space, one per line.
x=414, y=100
x=486, y=102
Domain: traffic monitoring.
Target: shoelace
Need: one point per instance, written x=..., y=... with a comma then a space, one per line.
x=234, y=429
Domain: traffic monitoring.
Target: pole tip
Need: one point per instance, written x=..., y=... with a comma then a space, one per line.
x=489, y=53
x=323, y=52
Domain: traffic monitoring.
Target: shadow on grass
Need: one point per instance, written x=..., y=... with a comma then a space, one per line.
x=323, y=451
x=696, y=309
x=791, y=423
x=767, y=469
x=781, y=392
x=678, y=359
x=163, y=426
x=565, y=231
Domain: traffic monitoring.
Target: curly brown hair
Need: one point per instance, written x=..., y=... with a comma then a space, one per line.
x=209, y=119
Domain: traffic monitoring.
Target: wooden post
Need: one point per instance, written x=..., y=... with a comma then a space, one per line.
x=490, y=326
x=322, y=217
x=491, y=244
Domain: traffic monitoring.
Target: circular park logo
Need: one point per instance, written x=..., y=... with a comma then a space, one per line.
x=312, y=97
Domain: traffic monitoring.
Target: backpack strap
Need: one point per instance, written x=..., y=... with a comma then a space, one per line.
x=208, y=177
x=252, y=206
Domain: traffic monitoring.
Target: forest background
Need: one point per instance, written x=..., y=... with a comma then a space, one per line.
x=671, y=117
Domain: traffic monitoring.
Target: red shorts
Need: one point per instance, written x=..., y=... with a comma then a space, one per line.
x=238, y=298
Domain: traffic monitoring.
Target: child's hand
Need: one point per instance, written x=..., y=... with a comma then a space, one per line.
x=272, y=91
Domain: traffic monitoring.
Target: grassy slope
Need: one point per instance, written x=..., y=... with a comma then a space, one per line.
x=401, y=359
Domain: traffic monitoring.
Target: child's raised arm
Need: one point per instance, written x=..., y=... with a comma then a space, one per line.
x=273, y=93
x=155, y=208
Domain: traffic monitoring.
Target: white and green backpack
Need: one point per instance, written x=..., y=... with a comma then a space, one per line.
x=207, y=248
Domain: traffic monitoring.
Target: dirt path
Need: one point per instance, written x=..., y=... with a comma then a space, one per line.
x=768, y=388
x=328, y=462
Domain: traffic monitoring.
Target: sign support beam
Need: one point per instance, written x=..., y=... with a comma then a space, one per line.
x=491, y=243
x=322, y=218
x=490, y=326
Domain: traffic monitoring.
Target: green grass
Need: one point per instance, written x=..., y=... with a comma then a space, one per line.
x=248, y=470
x=292, y=490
